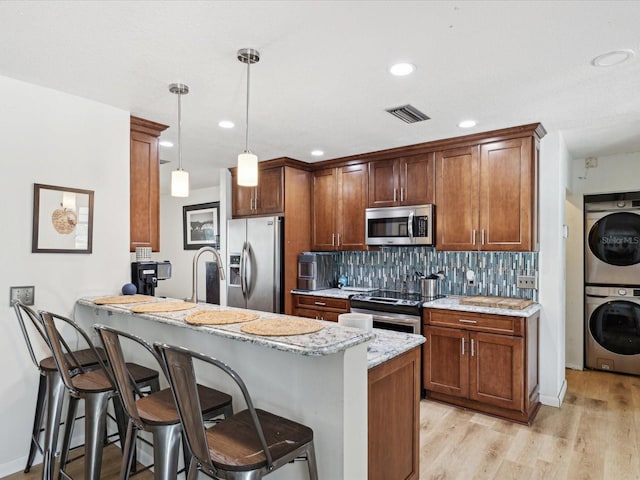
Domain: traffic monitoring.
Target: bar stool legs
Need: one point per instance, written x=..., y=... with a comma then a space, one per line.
x=37, y=421
x=55, y=397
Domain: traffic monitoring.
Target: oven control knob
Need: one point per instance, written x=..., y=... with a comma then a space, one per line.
x=622, y=292
x=620, y=204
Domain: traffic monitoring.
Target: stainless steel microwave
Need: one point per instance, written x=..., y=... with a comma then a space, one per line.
x=411, y=225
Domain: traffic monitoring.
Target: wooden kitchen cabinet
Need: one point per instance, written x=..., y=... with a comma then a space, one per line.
x=402, y=181
x=144, y=184
x=264, y=199
x=486, y=196
x=339, y=199
x=320, y=308
x=394, y=418
x=483, y=362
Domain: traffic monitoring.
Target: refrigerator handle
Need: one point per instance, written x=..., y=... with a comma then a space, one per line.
x=243, y=270
x=248, y=270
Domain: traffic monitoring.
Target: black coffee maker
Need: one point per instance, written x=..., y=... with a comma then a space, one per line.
x=145, y=275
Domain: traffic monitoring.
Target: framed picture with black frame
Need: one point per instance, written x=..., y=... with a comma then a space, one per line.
x=62, y=219
x=201, y=225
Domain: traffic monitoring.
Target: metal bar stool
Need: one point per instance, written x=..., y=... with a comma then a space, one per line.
x=156, y=412
x=50, y=387
x=95, y=388
x=247, y=446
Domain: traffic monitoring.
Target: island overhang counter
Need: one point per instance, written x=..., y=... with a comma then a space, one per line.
x=317, y=379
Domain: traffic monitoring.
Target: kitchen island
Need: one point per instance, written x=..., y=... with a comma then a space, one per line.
x=318, y=379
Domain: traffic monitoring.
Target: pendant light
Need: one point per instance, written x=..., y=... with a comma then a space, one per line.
x=247, y=161
x=179, y=178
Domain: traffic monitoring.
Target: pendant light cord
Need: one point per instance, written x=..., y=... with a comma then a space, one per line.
x=246, y=132
x=179, y=130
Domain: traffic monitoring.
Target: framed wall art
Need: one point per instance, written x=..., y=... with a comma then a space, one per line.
x=62, y=219
x=201, y=225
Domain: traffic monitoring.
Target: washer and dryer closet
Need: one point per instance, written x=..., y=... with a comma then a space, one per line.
x=612, y=282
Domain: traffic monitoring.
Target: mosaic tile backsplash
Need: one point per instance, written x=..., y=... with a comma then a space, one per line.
x=495, y=272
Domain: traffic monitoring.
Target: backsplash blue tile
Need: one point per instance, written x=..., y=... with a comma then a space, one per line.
x=387, y=268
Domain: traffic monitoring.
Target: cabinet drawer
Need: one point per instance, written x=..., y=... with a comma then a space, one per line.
x=316, y=314
x=480, y=322
x=322, y=303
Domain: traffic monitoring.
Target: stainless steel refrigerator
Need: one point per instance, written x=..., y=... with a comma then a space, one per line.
x=255, y=263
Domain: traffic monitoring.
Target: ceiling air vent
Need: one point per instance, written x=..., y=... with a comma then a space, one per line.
x=408, y=114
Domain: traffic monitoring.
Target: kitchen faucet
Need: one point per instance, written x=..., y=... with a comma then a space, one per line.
x=196, y=256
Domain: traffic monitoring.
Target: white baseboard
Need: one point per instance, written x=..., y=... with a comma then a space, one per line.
x=17, y=465
x=555, y=401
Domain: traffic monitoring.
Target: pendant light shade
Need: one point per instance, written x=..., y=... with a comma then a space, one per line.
x=179, y=177
x=247, y=161
x=179, y=183
x=247, y=169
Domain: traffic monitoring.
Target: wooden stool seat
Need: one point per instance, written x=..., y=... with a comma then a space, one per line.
x=98, y=380
x=160, y=408
x=86, y=358
x=234, y=445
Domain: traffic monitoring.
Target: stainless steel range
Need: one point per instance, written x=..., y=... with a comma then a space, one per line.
x=392, y=310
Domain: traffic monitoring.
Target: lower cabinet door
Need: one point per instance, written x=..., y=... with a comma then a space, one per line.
x=497, y=370
x=446, y=361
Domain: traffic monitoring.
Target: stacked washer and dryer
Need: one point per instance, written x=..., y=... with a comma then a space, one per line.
x=612, y=282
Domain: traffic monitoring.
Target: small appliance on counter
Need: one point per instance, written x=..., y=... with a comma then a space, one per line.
x=317, y=270
x=145, y=275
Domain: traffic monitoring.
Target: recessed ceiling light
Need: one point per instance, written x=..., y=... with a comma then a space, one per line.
x=226, y=124
x=317, y=153
x=467, y=123
x=610, y=59
x=165, y=143
x=402, y=69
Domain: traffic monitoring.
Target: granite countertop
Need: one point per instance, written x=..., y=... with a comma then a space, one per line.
x=333, y=338
x=453, y=303
x=388, y=344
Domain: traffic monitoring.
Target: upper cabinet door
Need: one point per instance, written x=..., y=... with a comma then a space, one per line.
x=270, y=191
x=457, y=199
x=417, y=175
x=352, y=195
x=402, y=181
x=242, y=199
x=324, y=199
x=384, y=183
x=507, y=185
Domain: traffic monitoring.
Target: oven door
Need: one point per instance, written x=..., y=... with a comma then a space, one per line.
x=398, y=322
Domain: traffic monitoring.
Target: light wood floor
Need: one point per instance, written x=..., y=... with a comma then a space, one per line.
x=592, y=436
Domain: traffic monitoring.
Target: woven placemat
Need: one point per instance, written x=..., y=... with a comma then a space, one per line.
x=159, y=307
x=124, y=299
x=282, y=326
x=219, y=317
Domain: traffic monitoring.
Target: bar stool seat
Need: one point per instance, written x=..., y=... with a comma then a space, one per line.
x=85, y=358
x=160, y=407
x=234, y=445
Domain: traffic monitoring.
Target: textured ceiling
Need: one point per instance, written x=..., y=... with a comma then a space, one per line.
x=322, y=81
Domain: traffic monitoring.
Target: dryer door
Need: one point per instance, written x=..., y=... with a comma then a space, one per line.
x=615, y=326
x=613, y=248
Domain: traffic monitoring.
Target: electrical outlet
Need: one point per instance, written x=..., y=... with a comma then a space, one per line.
x=527, y=281
x=591, y=162
x=24, y=294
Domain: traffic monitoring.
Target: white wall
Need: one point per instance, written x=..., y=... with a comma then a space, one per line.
x=617, y=173
x=53, y=138
x=172, y=245
x=553, y=180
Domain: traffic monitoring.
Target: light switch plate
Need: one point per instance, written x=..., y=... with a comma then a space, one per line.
x=23, y=294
